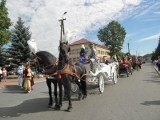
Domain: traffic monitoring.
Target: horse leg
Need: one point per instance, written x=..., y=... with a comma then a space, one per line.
x=69, y=97
x=54, y=81
x=48, y=82
x=60, y=93
x=59, y=103
x=67, y=87
x=84, y=88
x=80, y=89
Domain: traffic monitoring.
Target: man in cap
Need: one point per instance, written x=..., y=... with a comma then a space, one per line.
x=93, y=55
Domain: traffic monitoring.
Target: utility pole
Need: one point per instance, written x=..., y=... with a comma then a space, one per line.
x=62, y=26
x=128, y=49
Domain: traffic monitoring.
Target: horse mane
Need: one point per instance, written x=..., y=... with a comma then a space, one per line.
x=47, y=57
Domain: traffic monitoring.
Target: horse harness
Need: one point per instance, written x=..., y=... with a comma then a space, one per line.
x=66, y=70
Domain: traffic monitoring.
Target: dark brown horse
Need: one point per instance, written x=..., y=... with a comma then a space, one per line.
x=46, y=64
x=68, y=73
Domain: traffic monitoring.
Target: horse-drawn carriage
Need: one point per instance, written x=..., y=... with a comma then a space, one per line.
x=102, y=72
x=125, y=66
x=62, y=73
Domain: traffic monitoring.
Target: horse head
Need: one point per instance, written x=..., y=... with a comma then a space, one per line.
x=64, y=50
x=45, y=62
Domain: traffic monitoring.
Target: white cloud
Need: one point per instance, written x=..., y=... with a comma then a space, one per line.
x=145, y=8
x=153, y=37
x=82, y=15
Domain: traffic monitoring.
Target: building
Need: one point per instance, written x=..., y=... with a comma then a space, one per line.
x=76, y=47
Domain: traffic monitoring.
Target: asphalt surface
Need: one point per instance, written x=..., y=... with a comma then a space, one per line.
x=133, y=98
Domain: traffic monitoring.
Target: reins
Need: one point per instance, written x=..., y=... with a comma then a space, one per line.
x=66, y=70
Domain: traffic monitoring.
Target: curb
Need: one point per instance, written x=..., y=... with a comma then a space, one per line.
x=155, y=67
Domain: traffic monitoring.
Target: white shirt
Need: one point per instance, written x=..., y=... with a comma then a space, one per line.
x=0, y=71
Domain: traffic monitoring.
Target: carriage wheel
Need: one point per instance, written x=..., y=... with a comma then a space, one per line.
x=101, y=83
x=115, y=77
x=74, y=87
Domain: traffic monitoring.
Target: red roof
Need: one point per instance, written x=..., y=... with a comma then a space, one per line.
x=81, y=41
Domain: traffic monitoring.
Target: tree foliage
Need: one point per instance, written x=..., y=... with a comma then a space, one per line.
x=113, y=36
x=156, y=53
x=5, y=23
x=19, y=49
x=5, y=33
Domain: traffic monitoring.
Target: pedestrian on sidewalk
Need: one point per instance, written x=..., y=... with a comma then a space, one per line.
x=4, y=74
x=0, y=74
x=20, y=76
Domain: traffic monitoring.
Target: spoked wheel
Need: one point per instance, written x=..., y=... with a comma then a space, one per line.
x=115, y=77
x=74, y=87
x=101, y=83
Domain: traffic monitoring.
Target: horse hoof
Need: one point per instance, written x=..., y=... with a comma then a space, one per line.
x=57, y=107
x=84, y=96
x=69, y=109
x=50, y=106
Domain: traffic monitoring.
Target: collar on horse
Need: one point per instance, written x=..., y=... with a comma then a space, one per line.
x=66, y=70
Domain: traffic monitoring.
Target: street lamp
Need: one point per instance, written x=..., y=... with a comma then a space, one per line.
x=64, y=14
x=62, y=26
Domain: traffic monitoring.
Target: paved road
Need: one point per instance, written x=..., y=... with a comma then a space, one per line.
x=134, y=98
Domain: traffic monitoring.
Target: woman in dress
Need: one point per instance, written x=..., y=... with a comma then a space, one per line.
x=28, y=77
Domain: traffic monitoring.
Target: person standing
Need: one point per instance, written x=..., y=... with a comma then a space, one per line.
x=93, y=56
x=4, y=74
x=0, y=74
x=27, y=78
x=83, y=55
x=20, y=76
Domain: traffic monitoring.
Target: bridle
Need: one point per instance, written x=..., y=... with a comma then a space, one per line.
x=37, y=59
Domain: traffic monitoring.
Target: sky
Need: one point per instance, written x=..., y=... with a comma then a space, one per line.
x=84, y=18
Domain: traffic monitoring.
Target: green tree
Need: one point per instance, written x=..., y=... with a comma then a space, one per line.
x=19, y=49
x=156, y=53
x=2, y=56
x=5, y=33
x=113, y=36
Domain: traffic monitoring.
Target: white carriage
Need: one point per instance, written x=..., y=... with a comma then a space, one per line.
x=102, y=72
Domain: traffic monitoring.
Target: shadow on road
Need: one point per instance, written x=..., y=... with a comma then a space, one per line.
x=157, y=102
x=13, y=89
x=28, y=106
x=153, y=81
